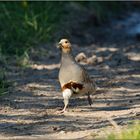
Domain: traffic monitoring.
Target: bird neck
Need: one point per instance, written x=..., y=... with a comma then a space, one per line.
x=67, y=57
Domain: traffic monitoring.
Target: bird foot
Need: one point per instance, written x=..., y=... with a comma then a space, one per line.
x=89, y=100
x=61, y=111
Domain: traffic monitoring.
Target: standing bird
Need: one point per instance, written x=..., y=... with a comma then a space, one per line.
x=73, y=78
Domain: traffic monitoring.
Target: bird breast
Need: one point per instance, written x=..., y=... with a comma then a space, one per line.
x=70, y=73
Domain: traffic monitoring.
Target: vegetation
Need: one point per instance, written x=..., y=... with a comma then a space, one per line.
x=25, y=24
x=3, y=83
x=133, y=132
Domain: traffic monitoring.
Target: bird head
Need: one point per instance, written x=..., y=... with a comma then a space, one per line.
x=64, y=45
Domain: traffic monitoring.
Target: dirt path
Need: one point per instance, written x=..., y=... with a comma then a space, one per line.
x=29, y=110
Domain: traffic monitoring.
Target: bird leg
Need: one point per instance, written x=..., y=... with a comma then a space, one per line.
x=67, y=93
x=89, y=99
x=66, y=101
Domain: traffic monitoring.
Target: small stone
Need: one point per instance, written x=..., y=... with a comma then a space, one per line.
x=130, y=101
x=132, y=112
x=138, y=114
x=108, y=104
x=62, y=132
x=54, y=128
x=72, y=110
x=106, y=67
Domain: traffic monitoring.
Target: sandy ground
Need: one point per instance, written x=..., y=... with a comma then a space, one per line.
x=29, y=110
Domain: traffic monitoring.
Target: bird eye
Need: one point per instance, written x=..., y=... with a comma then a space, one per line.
x=66, y=41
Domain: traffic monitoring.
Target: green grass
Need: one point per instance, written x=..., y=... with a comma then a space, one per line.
x=26, y=24
x=132, y=132
x=3, y=83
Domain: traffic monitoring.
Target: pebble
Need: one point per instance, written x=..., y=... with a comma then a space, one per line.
x=62, y=132
x=54, y=128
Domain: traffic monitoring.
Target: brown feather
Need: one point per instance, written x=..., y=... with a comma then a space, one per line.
x=71, y=85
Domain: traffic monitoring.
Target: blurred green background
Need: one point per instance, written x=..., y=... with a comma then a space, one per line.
x=25, y=24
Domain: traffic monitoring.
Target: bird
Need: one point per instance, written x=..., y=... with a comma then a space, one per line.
x=74, y=79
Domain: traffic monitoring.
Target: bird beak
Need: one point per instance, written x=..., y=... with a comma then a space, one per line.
x=59, y=45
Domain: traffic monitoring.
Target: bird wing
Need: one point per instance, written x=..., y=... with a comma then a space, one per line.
x=85, y=76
